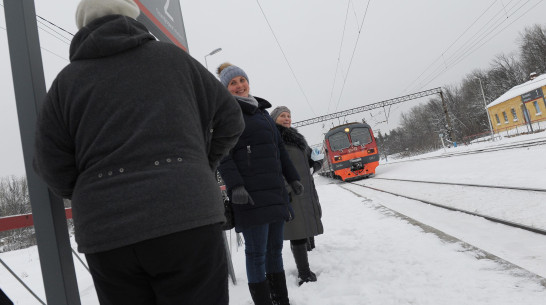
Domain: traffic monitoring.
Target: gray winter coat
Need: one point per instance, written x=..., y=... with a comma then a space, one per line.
x=132, y=130
x=307, y=210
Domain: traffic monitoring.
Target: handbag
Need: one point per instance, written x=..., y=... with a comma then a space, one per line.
x=228, y=212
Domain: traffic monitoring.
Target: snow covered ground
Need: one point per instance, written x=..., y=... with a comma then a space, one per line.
x=371, y=253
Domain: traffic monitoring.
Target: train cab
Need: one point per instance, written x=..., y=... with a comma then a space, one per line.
x=351, y=152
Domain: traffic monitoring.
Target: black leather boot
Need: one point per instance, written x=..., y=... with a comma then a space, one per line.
x=260, y=293
x=302, y=262
x=277, y=285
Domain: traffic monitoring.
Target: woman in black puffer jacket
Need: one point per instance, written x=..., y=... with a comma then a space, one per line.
x=307, y=211
x=254, y=172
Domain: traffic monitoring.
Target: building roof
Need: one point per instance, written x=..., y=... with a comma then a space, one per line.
x=518, y=90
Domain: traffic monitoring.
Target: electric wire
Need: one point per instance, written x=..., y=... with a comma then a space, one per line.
x=455, y=41
x=41, y=47
x=485, y=29
x=476, y=37
x=470, y=51
x=480, y=41
x=285, y=58
x=482, y=32
x=339, y=56
x=352, y=56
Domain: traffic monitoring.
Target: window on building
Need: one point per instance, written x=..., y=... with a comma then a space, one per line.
x=537, y=108
x=497, y=117
x=514, y=115
x=505, y=117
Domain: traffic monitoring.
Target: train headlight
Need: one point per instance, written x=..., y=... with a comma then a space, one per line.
x=371, y=151
x=337, y=158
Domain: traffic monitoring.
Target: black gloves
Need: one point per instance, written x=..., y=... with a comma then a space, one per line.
x=239, y=195
x=297, y=187
x=316, y=166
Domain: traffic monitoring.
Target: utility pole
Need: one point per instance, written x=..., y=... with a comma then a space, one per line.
x=58, y=273
x=448, y=120
x=486, y=111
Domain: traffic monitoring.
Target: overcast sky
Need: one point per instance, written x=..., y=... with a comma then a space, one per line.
x=337, y=54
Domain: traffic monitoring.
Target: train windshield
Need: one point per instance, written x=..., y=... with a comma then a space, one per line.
x=361, y=136
x=339, y=141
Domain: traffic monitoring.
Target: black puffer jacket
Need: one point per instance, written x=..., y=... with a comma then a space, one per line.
x=260, y=163
x=132, y=130
x=307, y=209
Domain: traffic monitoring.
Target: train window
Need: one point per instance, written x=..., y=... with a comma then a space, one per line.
x=339, y=141
x=361, y=136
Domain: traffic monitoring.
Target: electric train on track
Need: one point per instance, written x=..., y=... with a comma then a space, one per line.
x=350, y=152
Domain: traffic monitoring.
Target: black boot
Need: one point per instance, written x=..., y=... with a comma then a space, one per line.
x=260, y=293
x=277, y=285
x=302, y=262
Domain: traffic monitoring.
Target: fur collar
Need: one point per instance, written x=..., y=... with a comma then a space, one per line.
x=291, y=136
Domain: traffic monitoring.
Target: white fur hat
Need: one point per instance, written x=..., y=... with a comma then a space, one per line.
x=89, y=10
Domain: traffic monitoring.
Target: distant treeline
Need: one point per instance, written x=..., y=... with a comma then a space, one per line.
x=15, y=200
x=420, y=127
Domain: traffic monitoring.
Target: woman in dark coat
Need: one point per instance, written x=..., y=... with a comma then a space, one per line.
x=307, y=211
x=254, y=172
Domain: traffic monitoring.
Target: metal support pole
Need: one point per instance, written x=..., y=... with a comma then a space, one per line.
x=486, y=111
x=56, y=262
x=448, y=120
x=230, y=263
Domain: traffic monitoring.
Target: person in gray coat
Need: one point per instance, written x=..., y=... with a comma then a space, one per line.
x=307, y=211
x=132, y=131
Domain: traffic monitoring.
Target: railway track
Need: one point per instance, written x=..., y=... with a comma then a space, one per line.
x=443, y=206
x=513, y=145
x=467, y=184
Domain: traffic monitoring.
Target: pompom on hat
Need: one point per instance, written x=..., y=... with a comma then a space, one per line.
x=227, y=72
x=277, y=111
x=89, y=10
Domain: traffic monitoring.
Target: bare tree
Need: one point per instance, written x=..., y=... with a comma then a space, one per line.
x=533, y=49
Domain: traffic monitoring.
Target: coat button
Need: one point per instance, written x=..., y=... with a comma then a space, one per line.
x=110, y=173
x=100, y=175
x=179, y=159
x=169, y=160
x=121, y=170
x=156, y=162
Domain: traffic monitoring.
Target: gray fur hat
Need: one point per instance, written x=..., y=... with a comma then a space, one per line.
x=277, y=111
x=230, y=72
x=89, y=10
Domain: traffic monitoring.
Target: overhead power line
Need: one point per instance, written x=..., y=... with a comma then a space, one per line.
x=480, y=42
x=339, y=56
x=58, y=35
x=453, y=43
x=285, y=58
x=353, y=55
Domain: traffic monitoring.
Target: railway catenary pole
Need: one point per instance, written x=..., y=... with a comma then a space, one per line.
x=448, y=120
x=58, y=272
x=368, y=107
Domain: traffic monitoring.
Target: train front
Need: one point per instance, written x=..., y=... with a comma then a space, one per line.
x=351, y=151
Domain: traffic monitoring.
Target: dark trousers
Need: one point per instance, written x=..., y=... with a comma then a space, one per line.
x=263, y=249
x=187, y=267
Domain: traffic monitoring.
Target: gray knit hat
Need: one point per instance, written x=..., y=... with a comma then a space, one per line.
x=89, y=10
x=277, y=111
x=230, y=72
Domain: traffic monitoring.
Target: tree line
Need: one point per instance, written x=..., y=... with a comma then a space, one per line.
x=15, y=200
x=420, y=127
